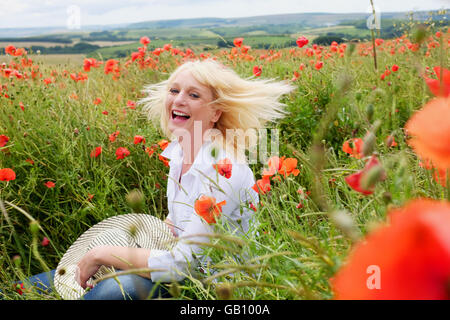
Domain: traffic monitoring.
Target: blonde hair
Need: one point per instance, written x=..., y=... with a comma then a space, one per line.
x=245, y=103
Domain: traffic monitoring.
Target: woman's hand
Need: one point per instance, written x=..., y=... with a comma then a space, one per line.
x=87, y=266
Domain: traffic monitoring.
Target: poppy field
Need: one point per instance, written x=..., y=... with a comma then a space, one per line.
x=355, y=206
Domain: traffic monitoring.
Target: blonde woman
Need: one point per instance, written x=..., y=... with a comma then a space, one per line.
x=199, y=108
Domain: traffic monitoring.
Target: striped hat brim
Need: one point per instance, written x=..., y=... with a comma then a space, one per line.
x=133, y=230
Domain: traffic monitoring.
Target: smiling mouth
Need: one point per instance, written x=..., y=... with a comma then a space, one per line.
x=180, y=115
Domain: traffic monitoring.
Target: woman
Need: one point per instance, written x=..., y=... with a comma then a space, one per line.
x=200, y=107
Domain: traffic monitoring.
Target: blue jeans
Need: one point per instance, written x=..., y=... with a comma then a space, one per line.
x=135, y=287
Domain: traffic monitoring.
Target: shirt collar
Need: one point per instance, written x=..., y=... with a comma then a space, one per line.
x=203, y=160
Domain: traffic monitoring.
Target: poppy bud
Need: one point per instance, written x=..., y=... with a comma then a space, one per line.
x=34, y=227
x=372, y=176
x=17, y=260
x=369, y=144
x=387, y=197
x=174, y=290
x=419, y=34
x=370, y=110
x=344, y=221
x=135, y=199
x=224, y=292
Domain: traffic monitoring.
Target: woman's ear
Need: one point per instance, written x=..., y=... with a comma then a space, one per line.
x=216, y=115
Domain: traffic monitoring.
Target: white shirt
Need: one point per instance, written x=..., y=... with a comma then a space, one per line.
x=237, y=192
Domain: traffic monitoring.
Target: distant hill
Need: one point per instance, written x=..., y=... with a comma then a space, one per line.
x=312, y=20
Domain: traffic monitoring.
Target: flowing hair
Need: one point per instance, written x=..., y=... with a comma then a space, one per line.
x=245, y=103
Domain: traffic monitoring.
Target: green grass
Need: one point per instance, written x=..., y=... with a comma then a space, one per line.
x=296, y=251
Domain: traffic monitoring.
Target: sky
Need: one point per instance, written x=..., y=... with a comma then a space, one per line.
x=74, y=13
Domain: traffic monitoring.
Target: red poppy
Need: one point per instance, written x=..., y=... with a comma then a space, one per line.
x=319, y=65
x=224, y=167
x=7, y=174
x=288, y=167
x=10, y=50
x=302, y=41
x=207, y=208
x=257, y=70
x=354, y=180
x=407, y=259
x=45, y=242
x=3, y=140
x=163, y=144
x=122, y=153
x=238, y=42
x=30, y=161
x=145, y=41
x=430, y=131
x=139, y=139
x=131, y=104
x=49, y=184
x=395, y=68
x=435, y=84
x=390, y=142
x=164, y=160
x=105, y=112
x=113, y=136
x=356, y=150
x=19, y=288
x=96, y=152
x=91, y=63
x=274, y=163
x=97, y=101
x=262, y=186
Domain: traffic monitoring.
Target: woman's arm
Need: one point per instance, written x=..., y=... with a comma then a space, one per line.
x=119, y=257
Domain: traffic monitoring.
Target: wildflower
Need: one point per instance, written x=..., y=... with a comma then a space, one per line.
x=302, y=41
x=90, y=197
x=19, y=288
x=96, y=152
x=45, y=242
x=164, y=160
x=412, y=252
x=207, y=208
x=105, y=112
x=390, y=142
x=131, y=104
x=430, y=131
x=30, y=161
x=145, y=41
x=163, y=144
x=139, y=139
x=91, y=63
x=395, y=68
x=49, y=184
x=113, y=136
x=319, y=65
x=435, y=84
x=356, y=150
x=262, y=186
x=288, y=167
x=97, y=101
x=257, y=70
x=122, y=153
x=3, y=140
x=238, y=42
x=224, y=167
x=274, y=163
x=7, y=174
x=356, y=180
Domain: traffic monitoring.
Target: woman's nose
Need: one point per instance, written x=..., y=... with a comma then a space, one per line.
x=180, y=99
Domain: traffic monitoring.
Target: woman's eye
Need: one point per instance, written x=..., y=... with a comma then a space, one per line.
x=173, y=91
x=194, y=95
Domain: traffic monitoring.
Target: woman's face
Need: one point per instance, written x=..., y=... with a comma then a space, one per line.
x=188, y=101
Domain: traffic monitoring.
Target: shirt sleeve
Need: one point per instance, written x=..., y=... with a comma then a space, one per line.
x=174, y=265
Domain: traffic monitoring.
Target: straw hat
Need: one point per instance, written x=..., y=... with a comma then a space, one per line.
x=129, y=230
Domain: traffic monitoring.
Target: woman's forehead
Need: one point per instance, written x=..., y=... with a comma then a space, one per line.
x=186, y=79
